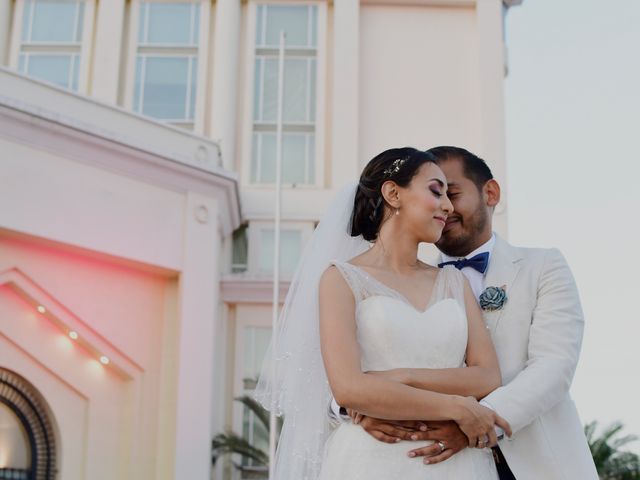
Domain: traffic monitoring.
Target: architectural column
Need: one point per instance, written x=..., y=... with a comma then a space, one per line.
x=224, y=98
x=107, y=51
x=491, y=119
x=198, y=296
x=344, y=102
x=5, y=28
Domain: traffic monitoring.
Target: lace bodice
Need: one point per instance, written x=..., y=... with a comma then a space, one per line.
x=392, y=333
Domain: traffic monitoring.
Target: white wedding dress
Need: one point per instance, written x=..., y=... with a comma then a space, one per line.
x=394, y=334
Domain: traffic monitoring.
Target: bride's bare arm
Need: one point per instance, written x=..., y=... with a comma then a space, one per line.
x=479, y=378
x=374, y=395
x=352, y=388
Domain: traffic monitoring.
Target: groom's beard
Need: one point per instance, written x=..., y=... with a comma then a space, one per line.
x=462, y=238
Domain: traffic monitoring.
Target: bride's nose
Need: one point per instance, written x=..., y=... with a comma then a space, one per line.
x=447, y=206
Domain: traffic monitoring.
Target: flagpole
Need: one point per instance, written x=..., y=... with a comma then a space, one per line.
x=276, y=243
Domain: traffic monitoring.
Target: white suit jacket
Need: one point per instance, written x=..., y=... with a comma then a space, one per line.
x=538, y=335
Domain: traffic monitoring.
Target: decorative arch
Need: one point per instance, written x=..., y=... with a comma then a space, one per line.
x=26, y=402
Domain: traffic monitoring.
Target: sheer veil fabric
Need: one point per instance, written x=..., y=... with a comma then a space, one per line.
x=293, y=382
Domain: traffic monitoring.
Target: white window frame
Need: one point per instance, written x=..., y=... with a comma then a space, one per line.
x=321, y=87
x=86, y=44
x=202, y=55
x=254, y=234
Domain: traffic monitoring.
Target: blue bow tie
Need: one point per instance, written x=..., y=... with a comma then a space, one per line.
x=478, y=262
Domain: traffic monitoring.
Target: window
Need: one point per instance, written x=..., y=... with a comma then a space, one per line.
x=256, y=343
x=166, y=61
x=300, y=22
x=51, y=41
x=293, y=237
x=253, y=336
x=240, y=248
x=290, y=250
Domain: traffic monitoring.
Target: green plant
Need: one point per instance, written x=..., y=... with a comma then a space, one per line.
x=612, y=463
x=255, y=460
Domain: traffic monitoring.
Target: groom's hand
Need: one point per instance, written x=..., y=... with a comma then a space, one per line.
x=446, y=432
x=389, y=431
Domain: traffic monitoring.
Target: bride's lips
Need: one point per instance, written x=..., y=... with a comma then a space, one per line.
x=450, y=224
x=441, y=219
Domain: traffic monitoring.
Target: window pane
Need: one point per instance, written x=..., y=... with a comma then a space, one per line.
x=297, y=158
x=294, y=20
x=240, y=250
x=137, y=88
x=14, y=442
x=192, y=89
x=255, y=432
x=165, y=86
x=297, y=87
x=256, y=343
x=264, y=154
x=53, y=21
x=257, y=89
x=290, y=248
x=296, y=78
x=57, y=69
x=169, y=23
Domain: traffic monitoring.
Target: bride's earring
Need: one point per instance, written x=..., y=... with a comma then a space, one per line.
x=397, y=211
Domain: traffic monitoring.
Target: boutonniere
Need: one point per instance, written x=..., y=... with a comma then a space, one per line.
x=493, y=298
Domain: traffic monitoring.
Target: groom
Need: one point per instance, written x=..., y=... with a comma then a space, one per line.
x=536, y=329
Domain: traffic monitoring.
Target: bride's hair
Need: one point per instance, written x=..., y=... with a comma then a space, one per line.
x=396, y=164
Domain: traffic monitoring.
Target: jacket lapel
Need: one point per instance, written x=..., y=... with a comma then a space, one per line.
x=503, y=270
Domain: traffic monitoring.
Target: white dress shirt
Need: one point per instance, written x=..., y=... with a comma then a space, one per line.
x=476, y=279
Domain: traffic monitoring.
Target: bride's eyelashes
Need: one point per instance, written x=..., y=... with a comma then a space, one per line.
x=436, y=191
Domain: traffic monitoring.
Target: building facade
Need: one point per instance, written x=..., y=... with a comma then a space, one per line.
x=137, y=183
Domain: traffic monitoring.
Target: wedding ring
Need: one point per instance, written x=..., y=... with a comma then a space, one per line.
x=442, y=446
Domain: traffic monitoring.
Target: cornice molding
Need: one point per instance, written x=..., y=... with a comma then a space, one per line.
x=235, y=289
x=103, y=143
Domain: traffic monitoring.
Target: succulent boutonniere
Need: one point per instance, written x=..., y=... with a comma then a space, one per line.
x=493, y=298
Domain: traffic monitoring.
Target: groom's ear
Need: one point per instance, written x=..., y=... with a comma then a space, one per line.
x=491, y=192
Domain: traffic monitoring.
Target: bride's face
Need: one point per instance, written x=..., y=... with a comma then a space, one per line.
x=424, y=205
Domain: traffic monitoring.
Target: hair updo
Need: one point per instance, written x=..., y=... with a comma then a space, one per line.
x=396, y=164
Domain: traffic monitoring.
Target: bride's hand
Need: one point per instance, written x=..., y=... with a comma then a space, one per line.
x=478, y=422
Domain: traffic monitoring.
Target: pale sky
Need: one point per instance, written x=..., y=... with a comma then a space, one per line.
x=573, y=102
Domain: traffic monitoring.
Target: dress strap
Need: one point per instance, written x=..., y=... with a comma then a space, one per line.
x=353, y=278
x=449, y=284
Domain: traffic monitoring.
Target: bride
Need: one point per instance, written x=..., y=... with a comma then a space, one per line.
x=388, y=336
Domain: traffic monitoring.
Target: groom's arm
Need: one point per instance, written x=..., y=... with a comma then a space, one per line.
x=555, y=339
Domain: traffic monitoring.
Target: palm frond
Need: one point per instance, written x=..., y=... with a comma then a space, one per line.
x=611, y=462
x=228, y=443
x=256, y=408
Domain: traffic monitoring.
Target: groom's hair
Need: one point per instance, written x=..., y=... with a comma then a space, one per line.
x=475, y=168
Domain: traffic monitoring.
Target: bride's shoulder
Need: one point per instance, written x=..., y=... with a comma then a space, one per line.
x=336, y=282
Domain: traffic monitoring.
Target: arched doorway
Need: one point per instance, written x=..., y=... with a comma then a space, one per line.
x=27, y=438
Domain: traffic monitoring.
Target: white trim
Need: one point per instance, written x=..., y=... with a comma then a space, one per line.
x=16, y=36
x=203, y=67
x=100, y=134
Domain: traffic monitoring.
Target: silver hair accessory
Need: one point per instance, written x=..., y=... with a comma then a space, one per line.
x=395, y=167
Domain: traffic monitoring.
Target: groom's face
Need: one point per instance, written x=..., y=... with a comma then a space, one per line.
x=469, y=226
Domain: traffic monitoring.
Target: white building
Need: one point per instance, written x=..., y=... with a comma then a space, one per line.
x=137, y=137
